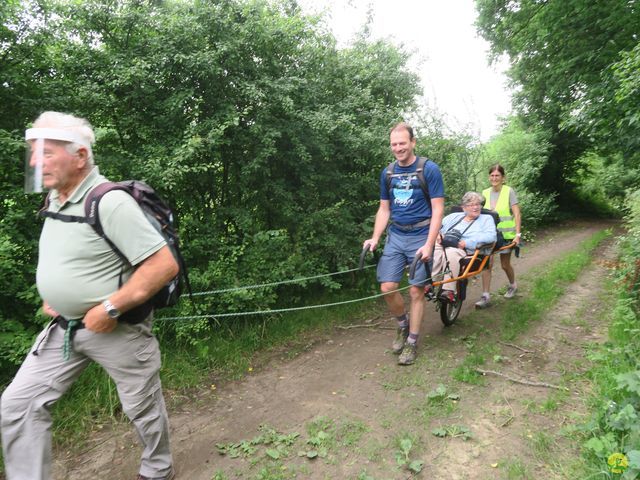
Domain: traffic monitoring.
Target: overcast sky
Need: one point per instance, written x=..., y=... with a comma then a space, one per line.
x=450, y=57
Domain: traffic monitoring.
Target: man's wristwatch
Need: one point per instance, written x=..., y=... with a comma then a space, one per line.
x=518, y=235
x=111, y=310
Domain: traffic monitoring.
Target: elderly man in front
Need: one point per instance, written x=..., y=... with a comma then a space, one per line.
x=94, y=299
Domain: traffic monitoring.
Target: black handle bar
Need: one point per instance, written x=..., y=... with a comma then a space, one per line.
x=414, y=265
x=363, y=254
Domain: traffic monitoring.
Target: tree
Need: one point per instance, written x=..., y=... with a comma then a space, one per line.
x=524, y=153
x=243, y=114
x=560, y=54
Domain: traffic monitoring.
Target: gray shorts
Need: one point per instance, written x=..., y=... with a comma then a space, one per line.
x=399, y=251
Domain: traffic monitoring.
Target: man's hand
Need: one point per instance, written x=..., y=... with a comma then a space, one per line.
x=371, y=243
x=98, y=321
x=47, y=310
x=426, y=251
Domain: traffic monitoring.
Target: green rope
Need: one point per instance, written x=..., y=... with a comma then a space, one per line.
x=282, y=282
x=67, y=346
x=280, y=310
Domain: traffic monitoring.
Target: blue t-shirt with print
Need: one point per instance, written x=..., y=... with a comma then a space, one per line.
x=406, y=199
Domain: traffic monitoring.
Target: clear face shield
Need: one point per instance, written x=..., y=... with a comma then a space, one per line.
x=33, y=166
x=37, y=153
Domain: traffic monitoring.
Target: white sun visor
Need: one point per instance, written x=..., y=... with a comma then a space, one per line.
x=34, y=158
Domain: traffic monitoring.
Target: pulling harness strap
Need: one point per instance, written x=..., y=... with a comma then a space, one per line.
x=69, y=332
x=70, y=327
x=419, y=175
x=412, y=226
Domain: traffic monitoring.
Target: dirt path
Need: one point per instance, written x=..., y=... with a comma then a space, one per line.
x=347, y=406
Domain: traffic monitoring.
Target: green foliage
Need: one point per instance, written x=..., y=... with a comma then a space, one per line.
x=274, y=444
x=601, y=184
x=466, y=371
x=523, y=153
x=464, y=163
x=403, y=458
x=549, y=287
x=630, y=244
x=574, y=65
x=243, y=114
x=452, y=431
x=271, y=452
x=614, y=428
x=457, y=154
x=440, y=395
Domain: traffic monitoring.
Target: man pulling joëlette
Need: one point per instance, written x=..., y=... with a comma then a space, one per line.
x=410, y=210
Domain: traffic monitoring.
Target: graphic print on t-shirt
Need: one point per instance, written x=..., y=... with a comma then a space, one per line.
x=403, y=192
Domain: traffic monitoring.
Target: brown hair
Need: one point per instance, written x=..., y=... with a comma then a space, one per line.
x=497, y=167
x=402, y=126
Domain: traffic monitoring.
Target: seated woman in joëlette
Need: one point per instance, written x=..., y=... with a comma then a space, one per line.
x=459, y=235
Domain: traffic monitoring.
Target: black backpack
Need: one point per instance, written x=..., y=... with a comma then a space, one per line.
x=159, y=214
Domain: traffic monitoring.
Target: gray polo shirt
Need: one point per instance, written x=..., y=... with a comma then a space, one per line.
x=77, y=269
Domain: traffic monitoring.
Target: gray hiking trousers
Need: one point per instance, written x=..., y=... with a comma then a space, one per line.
x=130, y=355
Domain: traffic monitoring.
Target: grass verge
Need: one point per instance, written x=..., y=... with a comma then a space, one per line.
x=610, y=439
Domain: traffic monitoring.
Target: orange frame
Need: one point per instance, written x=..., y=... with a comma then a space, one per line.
x=468, y=272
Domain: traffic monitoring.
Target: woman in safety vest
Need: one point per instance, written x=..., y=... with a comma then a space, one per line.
x=503, y=200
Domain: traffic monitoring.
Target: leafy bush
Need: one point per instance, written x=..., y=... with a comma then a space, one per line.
x=244, y=115
x=614, y=430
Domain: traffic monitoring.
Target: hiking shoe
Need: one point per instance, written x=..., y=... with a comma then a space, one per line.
x=170, y=476
x=408, y=355
x=483, y=302
x=511, y=292
x=448, y=295
x=401, y=338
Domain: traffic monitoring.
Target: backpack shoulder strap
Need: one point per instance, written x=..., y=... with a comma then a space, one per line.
x=45, y=213
x=92, y=213
x=390, y=169
x=421, y=178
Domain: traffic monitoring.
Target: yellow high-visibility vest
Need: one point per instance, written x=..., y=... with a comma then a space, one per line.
x=507, y=223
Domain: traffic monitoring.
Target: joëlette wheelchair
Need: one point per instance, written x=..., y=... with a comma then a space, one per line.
x=470, y=266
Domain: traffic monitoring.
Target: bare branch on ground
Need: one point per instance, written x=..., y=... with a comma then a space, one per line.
x=362, y=325
x=512, y=345
x=519, y=380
